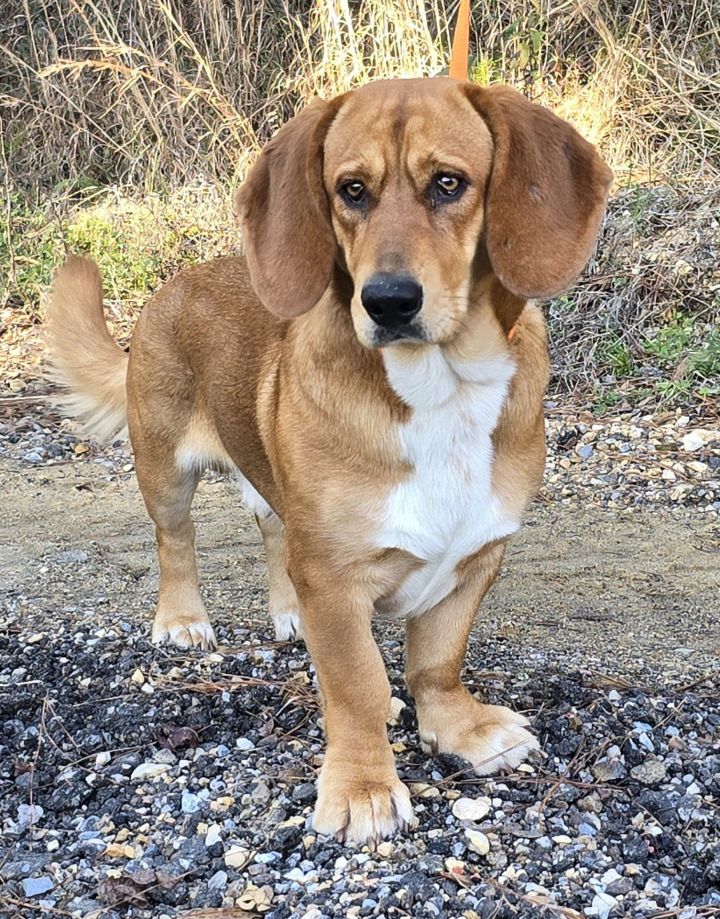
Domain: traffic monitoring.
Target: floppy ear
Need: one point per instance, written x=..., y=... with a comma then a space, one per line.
x=546, y=195
x=288, y=236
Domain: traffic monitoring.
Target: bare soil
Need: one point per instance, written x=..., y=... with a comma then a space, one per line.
x=632, y=590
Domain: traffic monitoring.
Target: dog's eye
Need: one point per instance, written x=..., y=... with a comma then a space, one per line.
x=353, y=192
x=448, y=186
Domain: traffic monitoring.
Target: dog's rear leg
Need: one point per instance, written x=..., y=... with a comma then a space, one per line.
x=283, y=599
x=168, y=492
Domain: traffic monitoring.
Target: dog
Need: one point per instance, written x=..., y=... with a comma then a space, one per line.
x=373, y=375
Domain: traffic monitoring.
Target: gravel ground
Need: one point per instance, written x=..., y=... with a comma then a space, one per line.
x=146, y=782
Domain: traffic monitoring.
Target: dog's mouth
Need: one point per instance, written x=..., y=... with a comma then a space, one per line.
x=414, y=332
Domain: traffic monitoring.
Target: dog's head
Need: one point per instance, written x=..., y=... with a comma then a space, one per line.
x=417, y=189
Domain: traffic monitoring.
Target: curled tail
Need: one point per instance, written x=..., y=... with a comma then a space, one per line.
x=84, y=358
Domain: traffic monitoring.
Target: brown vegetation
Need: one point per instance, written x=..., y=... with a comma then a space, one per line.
x=146, y=91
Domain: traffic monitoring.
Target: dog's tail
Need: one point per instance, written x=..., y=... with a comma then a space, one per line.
x=85, y=360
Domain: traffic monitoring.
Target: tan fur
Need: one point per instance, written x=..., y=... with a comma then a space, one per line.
x=84, y=359
x=304, y=409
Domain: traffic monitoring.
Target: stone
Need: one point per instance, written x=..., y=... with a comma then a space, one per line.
x=148, y=771
x=118, y=850
x=29, y=815
x=649, y=772
x=477, y=841
x=471, y=808
x=601, y=906
x=396, y=707
x=696, y=440
x=213, y=835
x=237, y=857
x=608, y=770
x=218, y=880
x=36, y=887
x=190, y=803
x=304, y=793
x=256, y=898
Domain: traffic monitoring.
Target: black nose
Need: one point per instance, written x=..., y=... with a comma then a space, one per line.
x=392, y=300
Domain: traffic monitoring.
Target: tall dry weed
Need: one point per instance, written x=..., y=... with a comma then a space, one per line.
x=151, y=92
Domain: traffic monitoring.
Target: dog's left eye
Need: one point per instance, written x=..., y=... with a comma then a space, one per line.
x=447, y=185
x=353, y=192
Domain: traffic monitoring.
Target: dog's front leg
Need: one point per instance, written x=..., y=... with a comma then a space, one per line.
x=360, y=798
x=450, y=719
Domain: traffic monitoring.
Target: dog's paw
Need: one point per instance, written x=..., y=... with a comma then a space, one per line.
x=287, y=626
x=491, y=737
x=185, y=633
x=361, y=811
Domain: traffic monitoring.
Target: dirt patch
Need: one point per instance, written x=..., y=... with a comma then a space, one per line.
x=630, y=588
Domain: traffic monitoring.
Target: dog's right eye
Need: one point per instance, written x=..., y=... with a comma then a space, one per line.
x=353, y=192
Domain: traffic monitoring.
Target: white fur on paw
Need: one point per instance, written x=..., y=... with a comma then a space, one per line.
x=497, y=745
x=193, y=635
x=500, y=747
x=287, y=626
x=363, y=814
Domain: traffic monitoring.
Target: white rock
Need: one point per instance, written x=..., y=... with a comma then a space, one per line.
x=218, y=880
x=696, y=440
x=190, y=803
x=478, y=841
x=471, y=808
x=29, y=814
x=601, y=905
x=396, y=707
x=138, y=677
x=102, y=759
x=610, y=876
x=213, y=835
x=237, y=857
x=148, y=771
x=295, y=874
x=256, y=898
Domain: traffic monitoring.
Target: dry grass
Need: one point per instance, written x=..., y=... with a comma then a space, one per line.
x=124, y=124
x=146, y=92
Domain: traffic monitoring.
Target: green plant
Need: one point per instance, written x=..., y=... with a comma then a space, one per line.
x=670, y=343
x=704, y=363
x=604, y=399
x=616, y=353
x=674, y=390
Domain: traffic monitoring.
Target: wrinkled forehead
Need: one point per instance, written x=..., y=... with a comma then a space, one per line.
x=407, y=124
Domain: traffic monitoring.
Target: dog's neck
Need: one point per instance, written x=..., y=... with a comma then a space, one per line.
x=404, y=376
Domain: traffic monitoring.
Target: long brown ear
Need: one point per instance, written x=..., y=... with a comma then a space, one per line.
x=288, y=236
x=546, y=197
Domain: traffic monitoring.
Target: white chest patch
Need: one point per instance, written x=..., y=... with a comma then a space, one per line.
x=445, y=509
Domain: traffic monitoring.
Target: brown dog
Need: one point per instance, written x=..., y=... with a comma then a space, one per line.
x=383, y=413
